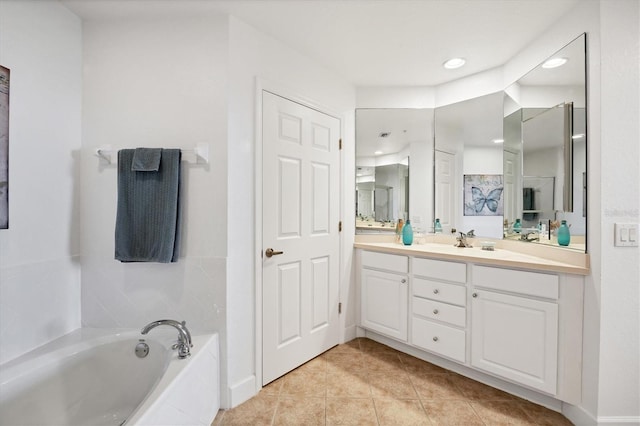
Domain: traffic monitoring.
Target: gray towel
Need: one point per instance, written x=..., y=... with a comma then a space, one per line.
x=146, y=159
x=148, y=210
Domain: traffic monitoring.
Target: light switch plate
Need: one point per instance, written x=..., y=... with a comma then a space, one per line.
x=626, y=234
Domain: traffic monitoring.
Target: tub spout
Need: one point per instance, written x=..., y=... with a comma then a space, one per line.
x=184, y=336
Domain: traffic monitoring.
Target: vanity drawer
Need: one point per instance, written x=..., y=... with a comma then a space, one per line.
x=455, y=315
x=521, y=282
x=440, y=269
x=438, y=338
x=389, y=262
x=441, y=292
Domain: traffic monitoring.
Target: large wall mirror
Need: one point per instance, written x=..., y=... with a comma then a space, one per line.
x=545, y=149
x=394, y=163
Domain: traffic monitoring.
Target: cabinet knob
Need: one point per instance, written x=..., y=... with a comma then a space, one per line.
x=403, y=280
x=435, y=338
x=475, y=295
x=436, y=291
x=435, y=311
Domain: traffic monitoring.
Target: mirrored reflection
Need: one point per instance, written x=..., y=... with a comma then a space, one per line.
x=394, y=163
x=468, y=166
x=545, y=152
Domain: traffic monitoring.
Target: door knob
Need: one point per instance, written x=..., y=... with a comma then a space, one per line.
x=271, y=252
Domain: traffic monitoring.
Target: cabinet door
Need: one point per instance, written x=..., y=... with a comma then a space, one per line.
x=516, y=338
x=383, y=303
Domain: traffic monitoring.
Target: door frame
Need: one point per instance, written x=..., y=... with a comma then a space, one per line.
x=262, y=85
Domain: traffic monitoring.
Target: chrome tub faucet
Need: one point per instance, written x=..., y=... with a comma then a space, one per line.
x=184, y=344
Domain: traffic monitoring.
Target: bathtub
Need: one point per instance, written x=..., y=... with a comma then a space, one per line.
x=93, y=377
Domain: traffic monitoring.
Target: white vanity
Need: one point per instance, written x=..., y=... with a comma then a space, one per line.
x=504, y=313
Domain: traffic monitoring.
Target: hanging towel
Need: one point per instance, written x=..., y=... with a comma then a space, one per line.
x=148, y=209
x=146, y=159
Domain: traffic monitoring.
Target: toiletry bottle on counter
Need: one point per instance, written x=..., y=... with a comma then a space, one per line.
x=437, y=227
x=407, y=233
x=564, y=235
x=517, y=227
x=399, y=230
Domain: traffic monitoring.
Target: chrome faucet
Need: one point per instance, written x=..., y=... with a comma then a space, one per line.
x=525, y=236
x=462, y=241
x=184, y=336
x=471, y=234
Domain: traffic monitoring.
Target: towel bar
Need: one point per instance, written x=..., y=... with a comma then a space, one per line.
x=198, y=155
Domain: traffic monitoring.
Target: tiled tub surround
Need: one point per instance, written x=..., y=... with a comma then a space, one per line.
x=363, y=382
x=509, y=319
x=92, y=377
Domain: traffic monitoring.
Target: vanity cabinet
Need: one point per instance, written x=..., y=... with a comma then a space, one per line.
x=514, y=333
x=384, y=289
x=438, y=307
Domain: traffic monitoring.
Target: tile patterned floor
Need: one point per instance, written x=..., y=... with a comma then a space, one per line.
x=363, y=382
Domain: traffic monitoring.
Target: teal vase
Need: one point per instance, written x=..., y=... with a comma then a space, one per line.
x=517, y=227
x=437, y=227
x=407, y=234
x=564, y=235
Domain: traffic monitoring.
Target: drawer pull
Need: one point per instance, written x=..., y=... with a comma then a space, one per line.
x=435, y=338
x=403, y=281
x=475, y=295
x=435, y=312
x=436, y=291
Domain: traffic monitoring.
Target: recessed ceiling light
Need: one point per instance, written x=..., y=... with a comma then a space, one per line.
x=554, y=63
x=454, y=63
x=498, y=141
x=378, y=152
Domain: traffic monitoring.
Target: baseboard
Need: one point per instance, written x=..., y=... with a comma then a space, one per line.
x=578, y=415
x=349, y=333
x=619, y=420
x=242, y=391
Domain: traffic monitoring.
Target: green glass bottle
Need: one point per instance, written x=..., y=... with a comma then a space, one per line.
x=564, y=235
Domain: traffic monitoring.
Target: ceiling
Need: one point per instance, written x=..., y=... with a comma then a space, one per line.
x=371, y=42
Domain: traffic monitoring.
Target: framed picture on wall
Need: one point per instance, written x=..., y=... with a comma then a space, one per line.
x=483, y=195
x=4, y=147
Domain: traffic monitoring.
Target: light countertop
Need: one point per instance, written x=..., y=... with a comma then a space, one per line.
x=504, y=254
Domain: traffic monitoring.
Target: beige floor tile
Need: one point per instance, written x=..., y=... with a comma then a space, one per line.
x=451, y=413
x=543, y=416
x=257, y=411
x=400, y=412
x=415, y=365
x=477, y=391
x=316, y=365
x=300, y=411
x=274, y=388
x=217, y=421
x=383, y=362
x=498, y=413
x=436, y=387
x=350, y=346
x=368, y=345
x=343, y=362
x=303, y=384
x=351, y=411
x=348, y=385
x=390, y=385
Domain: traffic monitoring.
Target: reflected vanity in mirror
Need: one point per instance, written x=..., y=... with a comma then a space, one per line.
x=545, y=150
x=394, y=163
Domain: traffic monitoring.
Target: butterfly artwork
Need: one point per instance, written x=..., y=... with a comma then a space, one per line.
x=483, y=195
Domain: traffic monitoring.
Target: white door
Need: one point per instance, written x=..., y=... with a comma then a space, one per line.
x=301, y=193
x=512, y=195
x=445, y=189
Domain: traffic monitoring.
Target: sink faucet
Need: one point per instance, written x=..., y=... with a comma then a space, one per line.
x=471, y=234
x=184, y=336
x=525, y=236
x=462, y=241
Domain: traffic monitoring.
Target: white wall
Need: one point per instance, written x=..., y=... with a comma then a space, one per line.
x=40, y=42
x=156, y=83
x=254, y=55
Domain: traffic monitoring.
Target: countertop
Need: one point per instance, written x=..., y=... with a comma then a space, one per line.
x=504, y=254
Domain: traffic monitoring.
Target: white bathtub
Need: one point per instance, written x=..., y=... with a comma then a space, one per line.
x=93, y=377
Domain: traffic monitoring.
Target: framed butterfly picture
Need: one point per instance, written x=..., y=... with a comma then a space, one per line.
x=483, y=195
